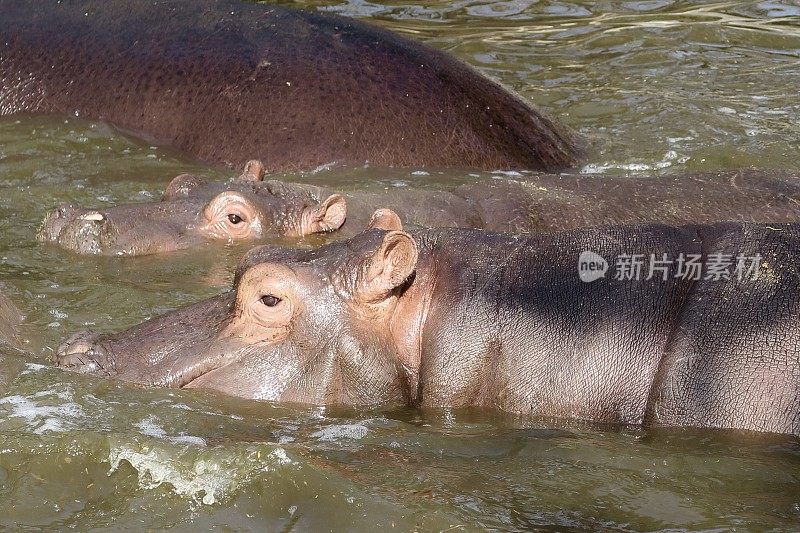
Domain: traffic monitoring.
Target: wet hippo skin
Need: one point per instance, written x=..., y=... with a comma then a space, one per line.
x=226, y=81
x=194, y=212
x=458, y=317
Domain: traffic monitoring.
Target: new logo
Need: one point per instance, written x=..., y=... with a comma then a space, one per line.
x=591, y=266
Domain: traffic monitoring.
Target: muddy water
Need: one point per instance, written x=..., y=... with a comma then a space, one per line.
x=658, y=86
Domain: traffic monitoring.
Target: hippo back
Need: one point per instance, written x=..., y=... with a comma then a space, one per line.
x=227, y=81
x=733, y=359
x=560, y=202
x=513, y=325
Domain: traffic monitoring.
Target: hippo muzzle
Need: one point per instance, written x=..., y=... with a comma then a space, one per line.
x=123, y=229
x=76, y=229
x=168, y=351
x=83, y=352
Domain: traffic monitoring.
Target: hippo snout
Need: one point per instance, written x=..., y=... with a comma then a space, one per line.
x=83, y=353
x=74, y=228
x=55, y=221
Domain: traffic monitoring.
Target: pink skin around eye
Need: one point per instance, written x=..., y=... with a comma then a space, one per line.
x=230, y=217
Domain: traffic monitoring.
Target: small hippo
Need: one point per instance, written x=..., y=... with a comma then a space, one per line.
x=193, y=212
x=224, y=80
x=530, y=324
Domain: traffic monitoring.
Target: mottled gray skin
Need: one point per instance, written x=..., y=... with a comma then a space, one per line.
x=544, y=203
x=227, y=80
x=455, y=317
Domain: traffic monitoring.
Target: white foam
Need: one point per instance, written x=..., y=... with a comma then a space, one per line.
x=341, y=431
x=188, y=439
x=149, y=427
x=209, y=478
x=670, y=157
x=31, y=368
x=323, y=168
x=44, y=418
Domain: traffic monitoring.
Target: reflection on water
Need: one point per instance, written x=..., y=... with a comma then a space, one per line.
x=657, y=86
x=654, y=84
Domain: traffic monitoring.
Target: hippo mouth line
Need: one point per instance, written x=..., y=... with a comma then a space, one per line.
x=189, y=380
x=85, y=353
x=209, y=366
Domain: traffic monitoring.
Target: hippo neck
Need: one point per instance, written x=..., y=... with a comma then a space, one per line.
x=408, y=318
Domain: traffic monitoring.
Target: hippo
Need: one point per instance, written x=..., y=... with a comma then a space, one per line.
x=454, y=317
x=227, y=80
x=193, y=211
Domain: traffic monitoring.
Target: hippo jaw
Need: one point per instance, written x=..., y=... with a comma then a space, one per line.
x=304, y=326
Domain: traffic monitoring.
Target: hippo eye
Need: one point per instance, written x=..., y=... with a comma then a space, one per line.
x=270, y=300
x=235, y=219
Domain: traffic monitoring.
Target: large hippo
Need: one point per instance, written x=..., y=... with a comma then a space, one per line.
x=227, y=80
x=193, y=211
x=523, y=323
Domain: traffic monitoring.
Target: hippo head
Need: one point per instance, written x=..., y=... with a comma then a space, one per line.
x=324, y=326
x=192, y=212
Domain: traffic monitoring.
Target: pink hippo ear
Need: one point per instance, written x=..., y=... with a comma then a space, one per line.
x=388, y=267
x=327, y=216
x=385, y=219
x=253, y=171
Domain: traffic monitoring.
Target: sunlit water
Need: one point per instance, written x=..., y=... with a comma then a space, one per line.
x=657, y=86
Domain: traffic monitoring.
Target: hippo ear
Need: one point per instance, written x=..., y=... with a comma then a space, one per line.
x=253, y=171
x=182, y=186
x=388, y=267
x=327, y=216
x=385, y=219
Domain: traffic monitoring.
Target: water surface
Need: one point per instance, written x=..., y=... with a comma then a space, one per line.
x=657, y=86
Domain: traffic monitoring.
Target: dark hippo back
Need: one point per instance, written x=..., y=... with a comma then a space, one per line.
x=559, y=202
x=512, y=325
x=733, y=359
x=227, y=81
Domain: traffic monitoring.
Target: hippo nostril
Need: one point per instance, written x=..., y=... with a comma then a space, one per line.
x=82, y=353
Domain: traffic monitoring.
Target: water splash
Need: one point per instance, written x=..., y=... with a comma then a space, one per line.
x=209, y=476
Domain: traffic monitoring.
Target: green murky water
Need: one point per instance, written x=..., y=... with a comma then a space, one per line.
x=658, y=86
